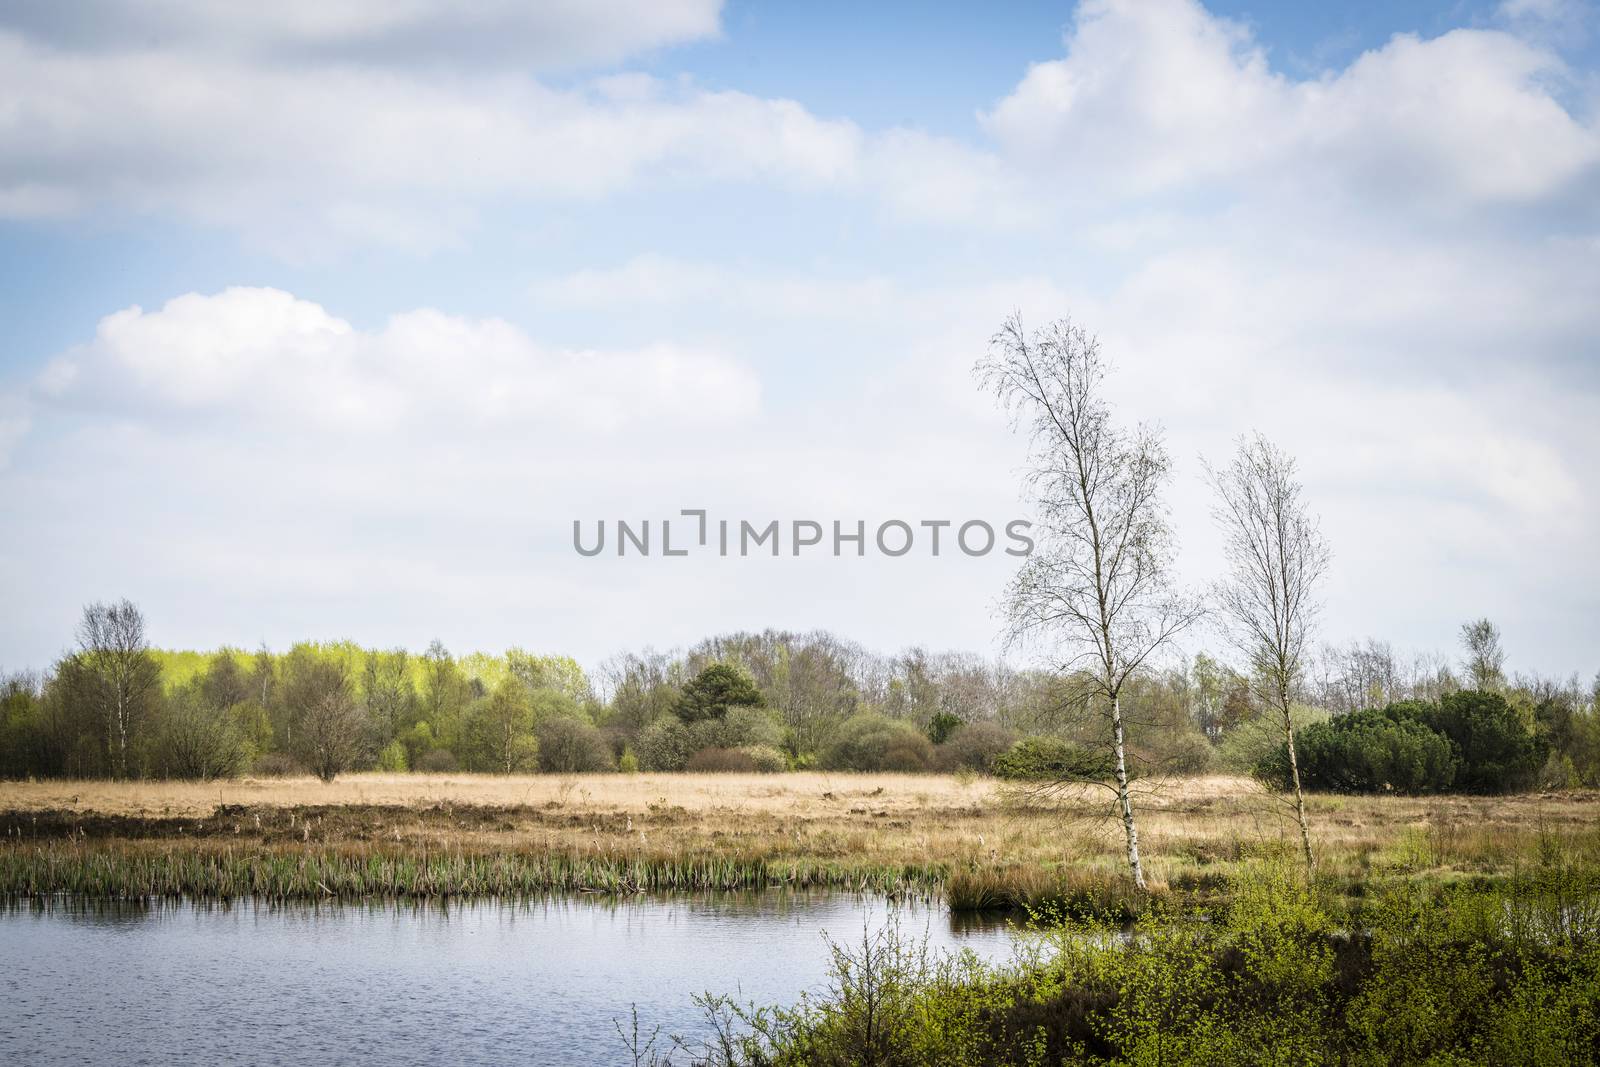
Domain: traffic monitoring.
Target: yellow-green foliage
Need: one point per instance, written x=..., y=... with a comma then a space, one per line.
x=1418, y=977
x=562, y=673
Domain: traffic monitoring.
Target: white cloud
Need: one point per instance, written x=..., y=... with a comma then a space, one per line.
x=266, y=358
x=1159, y=96
x=334, y=154
x=1155, y=98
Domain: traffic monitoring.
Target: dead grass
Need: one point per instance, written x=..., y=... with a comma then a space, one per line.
x=1194, y=832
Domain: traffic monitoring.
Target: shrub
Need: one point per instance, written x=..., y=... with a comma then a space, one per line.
x=1187, y=753
x=195, y=740
x=664, y=745
x=276, y=765
x=768, y=760
x=740, y=727
x=1051, y=759
x=1245, y=746
x=628, y=763
x=392, y=757
x=571, y=746
x=973, y=747
x=869, y=742
x=438, y=761
x=942, y=725
x=1496, y=750
x=722, y=760
x=1372, y=751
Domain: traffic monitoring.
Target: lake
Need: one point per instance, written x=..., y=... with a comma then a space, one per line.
x=532, y=982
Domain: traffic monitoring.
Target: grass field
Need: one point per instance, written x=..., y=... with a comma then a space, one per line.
x=981, y=843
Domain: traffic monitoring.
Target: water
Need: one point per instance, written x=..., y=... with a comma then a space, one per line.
x=485, y=983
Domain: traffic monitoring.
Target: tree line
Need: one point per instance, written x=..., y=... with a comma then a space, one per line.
x=117, y=707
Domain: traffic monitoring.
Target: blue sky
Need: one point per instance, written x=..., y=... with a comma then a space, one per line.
x=443, y=285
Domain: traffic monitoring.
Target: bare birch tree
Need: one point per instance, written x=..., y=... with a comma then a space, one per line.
x=328, y=724
x=1277, y=557
x=1095, y=591
x=120, y=678
x=1485, y=661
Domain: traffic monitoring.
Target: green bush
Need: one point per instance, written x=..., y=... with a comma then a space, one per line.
x=1496, y=751
x=1373, y=751
x=942, y=725
x=628, y=763
x=392, y=757
x=1051, y=759
x=738, y=728
x=1244, y=747
x=1275, y=976
x=870, y=742
x=664, y=745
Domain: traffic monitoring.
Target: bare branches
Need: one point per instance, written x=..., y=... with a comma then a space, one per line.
x=1277, y=557
x=120, y=677
x=1095, y=593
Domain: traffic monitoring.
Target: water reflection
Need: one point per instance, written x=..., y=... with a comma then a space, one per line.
x=529, y=981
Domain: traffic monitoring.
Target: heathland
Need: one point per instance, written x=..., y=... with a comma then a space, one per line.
x=977, y=841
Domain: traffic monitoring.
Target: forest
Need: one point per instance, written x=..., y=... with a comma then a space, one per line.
x=1371, y=720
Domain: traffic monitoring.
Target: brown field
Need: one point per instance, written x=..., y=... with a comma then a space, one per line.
x=1194, y=832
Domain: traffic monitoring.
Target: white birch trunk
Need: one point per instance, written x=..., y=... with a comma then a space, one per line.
x=1123, y=798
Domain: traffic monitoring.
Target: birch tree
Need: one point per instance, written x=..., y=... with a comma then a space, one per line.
x=1277, y=557
x=1485, y=661
x=119, y=675
x=1096, y=590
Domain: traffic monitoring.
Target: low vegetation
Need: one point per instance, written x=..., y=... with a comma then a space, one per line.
x=1508, y=974
x=981, y=843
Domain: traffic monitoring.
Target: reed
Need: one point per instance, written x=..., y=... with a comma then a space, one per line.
x=134, y=870
x=980, y=847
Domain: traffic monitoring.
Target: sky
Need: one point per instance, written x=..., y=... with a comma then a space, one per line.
x=326, y=319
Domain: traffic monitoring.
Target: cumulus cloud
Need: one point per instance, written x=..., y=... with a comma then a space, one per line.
x=1161, y=97
x=266, y=358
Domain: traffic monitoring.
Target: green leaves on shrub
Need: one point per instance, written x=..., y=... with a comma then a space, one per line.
x=869, y=742
x=1043, y=759
x=1469, y=741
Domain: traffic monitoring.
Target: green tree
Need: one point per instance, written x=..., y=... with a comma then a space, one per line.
x=499, y=731
x=1497, y=751
x=714, y=690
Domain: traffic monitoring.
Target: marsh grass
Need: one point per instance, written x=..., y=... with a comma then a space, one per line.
x=983, y=847
x=133, y=870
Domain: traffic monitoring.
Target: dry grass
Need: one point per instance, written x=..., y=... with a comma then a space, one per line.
x=1194, y=832
x=806, y=794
